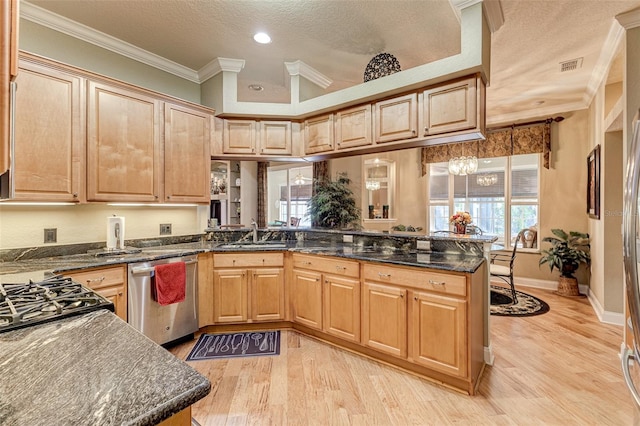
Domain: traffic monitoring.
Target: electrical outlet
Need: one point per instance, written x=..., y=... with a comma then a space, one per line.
x=50, y=235
x=347, y=238
x=165, y=229
x=423, y=245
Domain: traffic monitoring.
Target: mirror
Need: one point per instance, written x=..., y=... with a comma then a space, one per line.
x=379, y=182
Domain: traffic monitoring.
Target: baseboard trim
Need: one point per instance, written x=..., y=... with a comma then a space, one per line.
x=488, y=355
x=606, y=317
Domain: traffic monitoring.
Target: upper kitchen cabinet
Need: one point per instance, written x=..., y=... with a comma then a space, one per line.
x=49, y=135
x=396, y=118
x=187, y=138
x=123, y=145
x=8, y=72
x=353, y=127
x=451, y=107
x=318, y=134
x=275, y=137
x=239, y=136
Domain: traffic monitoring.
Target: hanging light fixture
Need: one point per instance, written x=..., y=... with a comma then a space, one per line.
x=463, y=165
x=487, y=179
x=299, y=179
x=372, y=185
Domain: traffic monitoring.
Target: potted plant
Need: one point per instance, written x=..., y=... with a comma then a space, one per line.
x=567, y=252
x=333, y=204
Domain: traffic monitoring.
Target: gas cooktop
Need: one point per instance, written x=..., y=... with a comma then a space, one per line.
x=27, y=304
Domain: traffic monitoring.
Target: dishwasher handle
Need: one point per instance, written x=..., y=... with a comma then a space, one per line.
x=141, y=270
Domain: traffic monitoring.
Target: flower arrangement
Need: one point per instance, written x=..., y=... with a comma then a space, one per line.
x=461, y=218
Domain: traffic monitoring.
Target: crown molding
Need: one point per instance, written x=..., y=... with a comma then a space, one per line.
x=607, y=54
x=629, y=19
x=303, y=70
x=75, y=29
x=218, y=65
x=492, y=10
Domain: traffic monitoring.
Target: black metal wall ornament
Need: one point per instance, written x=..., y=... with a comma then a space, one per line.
x=381, y=65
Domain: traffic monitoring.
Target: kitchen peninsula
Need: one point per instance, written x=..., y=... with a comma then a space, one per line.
x=344, y=293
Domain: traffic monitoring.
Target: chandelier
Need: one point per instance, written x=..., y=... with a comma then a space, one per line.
x=299, y=179
x=487, y=179
x=463, y=165
x=372, y=185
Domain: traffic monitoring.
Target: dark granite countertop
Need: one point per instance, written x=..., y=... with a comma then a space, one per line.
x=91, y=369
x=37, y=268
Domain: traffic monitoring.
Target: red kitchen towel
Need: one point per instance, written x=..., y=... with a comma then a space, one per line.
x=170, y=282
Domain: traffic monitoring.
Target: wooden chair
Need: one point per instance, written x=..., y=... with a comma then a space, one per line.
x=503, y=269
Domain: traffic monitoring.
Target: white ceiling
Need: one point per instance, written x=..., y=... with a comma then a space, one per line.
x=339, y=37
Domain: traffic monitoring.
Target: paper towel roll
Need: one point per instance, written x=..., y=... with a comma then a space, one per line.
x=115, y=233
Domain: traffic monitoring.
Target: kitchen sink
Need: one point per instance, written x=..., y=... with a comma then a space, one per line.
x=261, y=244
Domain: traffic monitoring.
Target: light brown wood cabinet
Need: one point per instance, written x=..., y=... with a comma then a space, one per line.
x=123, y=146
x=187, y=138
x=319, y=134
x=396, y=118
x=49, y=135
x=248, y=287
x=8, y=71
x=326, y=295
x=239, y=136
x=451, y=107
x=353, y=127
x=205, y=289
x=109, y=282
x=384, y=318
x=252, y=137
x=274, y=137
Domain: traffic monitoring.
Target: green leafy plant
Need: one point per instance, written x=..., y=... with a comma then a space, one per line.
x=333, y=204
x=567, y=251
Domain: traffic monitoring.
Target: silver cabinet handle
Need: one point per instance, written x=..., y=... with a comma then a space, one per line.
x=627, y=357
x=96, y=280
x=340, y=268
x=433, y=282
x=381, y=275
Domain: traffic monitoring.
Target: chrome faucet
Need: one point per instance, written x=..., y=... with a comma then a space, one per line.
x=254, y=226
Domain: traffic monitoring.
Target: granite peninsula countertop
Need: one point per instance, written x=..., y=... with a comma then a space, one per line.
x=38, y=268
x=91, y=369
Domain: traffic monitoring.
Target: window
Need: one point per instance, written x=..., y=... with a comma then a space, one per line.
x=502, y=196
x=289, y=189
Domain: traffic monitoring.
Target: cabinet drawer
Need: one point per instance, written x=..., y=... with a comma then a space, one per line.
x=99, y=278
x=327, y=264
x=424, y=280
x=244, y=260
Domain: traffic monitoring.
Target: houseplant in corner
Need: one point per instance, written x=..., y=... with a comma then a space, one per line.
x=567, y=252
x=333, y=204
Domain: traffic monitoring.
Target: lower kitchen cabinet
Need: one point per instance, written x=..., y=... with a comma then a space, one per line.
x=342, y=307
x=384, y=318
x=248, y=292
x=110, y=283
x=307, y=298
x=439, y=333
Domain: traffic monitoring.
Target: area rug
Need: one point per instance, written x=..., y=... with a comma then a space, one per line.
x=528, y=305
x=230, y=345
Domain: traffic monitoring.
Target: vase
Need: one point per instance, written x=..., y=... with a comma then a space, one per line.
x=459, y=228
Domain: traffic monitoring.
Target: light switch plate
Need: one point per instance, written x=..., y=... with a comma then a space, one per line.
x=424, y=245
x=347, y=238
x=50, y=235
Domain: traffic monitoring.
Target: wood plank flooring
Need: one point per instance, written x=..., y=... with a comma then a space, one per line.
x=560, y=368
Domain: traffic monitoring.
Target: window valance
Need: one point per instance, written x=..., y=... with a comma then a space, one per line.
x=500, y=142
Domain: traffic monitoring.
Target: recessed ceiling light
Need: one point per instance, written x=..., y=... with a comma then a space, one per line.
x=256, y=87
x=262, y=38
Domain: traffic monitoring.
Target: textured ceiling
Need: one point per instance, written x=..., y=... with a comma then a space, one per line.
x=339, y=37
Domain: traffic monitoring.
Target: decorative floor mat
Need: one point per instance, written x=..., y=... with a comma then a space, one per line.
x=254, y=343
x=528, y=305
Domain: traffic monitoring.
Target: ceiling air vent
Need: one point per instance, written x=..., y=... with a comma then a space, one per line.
x=571, y=65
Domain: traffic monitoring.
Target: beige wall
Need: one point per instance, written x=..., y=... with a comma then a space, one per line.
x=52, y=44
x=23, y=226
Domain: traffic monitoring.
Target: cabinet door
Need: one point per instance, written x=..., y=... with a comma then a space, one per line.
x=318, y=134
x=307, y=298
x=239, y=137
x=267, y=294
x=439, y=333
x=49, y=135
x=230, y=295
x=187, y=138
x=117, y=296
x=396, y=118
x=275, y=137
x=450, y=108
x=384, y=318
x=342, y=307
x=205, y=290
x=353, y=127
x=123, y=145
x=108, y=282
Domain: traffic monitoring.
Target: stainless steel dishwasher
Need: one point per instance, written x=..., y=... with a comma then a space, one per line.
x=162, y=324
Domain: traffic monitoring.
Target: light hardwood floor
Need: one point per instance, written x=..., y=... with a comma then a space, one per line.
x=560, y=368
